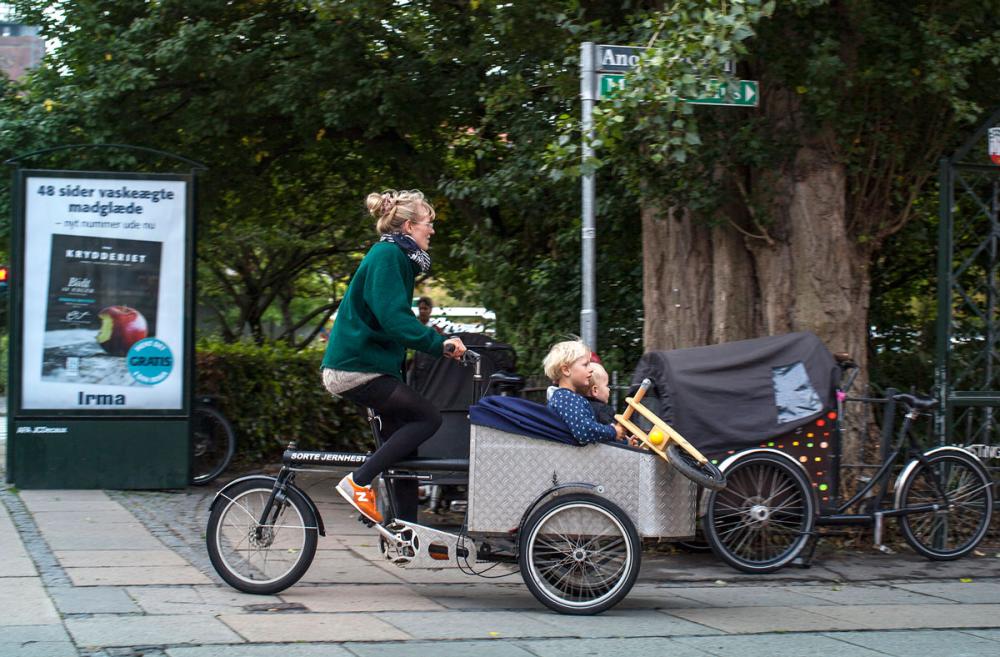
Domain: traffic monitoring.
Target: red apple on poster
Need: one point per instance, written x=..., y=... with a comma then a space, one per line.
x=121, y=327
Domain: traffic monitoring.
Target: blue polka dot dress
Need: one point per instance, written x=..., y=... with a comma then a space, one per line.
x=578, y=414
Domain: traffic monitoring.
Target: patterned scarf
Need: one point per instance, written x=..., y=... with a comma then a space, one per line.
x=410, y=248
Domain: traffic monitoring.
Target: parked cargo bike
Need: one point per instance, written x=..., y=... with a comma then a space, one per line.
x=770, y=412
x=571, y=517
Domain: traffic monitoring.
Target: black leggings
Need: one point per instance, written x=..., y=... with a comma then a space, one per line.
x=407, y=421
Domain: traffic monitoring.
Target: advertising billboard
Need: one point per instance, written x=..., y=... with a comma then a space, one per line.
x=103, y=318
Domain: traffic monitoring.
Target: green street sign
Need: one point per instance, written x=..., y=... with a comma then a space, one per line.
x=610, y=85
x=746, y=94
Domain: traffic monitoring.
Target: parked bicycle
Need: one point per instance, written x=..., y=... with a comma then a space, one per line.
x=213, y=442
x=767, y=516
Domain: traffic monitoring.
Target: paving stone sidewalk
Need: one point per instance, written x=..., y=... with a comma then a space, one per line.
x=111, y=573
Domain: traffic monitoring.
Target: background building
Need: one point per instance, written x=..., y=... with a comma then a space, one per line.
x=20, y=46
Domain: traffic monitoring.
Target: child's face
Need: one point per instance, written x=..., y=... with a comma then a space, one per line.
x=576, y=375
x=599, y=388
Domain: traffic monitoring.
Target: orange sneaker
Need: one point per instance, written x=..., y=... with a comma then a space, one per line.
x=361, y=498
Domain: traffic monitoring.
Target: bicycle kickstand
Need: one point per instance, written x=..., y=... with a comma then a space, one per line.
x=879, y=545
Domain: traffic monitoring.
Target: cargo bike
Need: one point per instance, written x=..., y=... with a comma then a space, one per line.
x=572, y=517
x=770, y=411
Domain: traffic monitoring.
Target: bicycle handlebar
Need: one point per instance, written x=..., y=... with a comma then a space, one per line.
x=468, y=356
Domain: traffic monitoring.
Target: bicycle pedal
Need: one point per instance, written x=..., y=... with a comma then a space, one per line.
x=365, y=520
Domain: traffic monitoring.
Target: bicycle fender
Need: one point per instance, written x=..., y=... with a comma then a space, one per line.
x=906, y=472
x=703, y=502
x=270, y=483
x=556, y=490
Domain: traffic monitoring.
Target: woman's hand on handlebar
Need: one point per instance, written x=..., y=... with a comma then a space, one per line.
x=454, y=348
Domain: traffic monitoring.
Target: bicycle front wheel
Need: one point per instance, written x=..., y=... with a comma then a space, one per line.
x=257, y=554
x=955, y=529
x=705, y=474
x=213, y=444
x=763, y=518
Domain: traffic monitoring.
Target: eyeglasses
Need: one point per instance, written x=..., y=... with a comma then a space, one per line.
x=430, y=224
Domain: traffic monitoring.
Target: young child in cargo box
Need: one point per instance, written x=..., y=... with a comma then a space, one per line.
x=568, y=365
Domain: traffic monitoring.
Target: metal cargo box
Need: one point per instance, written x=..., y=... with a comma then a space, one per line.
x=508, y=472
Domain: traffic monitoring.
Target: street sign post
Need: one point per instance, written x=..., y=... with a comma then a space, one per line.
x=602, y=75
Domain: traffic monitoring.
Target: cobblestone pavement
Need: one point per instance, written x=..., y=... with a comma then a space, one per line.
x=113, y=573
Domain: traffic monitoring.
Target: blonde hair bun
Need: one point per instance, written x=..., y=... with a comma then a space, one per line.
x=391, y=209
x=379, y=204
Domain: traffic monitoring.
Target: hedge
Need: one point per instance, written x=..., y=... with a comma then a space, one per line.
x=272, y=394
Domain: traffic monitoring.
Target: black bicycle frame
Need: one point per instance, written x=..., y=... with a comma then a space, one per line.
x=841, y=517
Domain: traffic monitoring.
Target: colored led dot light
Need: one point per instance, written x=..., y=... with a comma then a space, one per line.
x=820, y=423
x=810, y=435
x=823, y=487
x=809, y=444
x=795, y=443
x=770, y=444
x=803, y=459
x=824, y=444
x=832, y=415
x=818, y=459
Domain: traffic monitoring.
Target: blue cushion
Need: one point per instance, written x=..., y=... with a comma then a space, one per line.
x=522, y=417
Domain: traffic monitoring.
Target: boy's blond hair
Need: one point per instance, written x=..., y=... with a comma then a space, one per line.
x=597, y=371
x=563, y=354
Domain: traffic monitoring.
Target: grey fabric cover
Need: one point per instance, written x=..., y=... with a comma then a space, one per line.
x=738, y=394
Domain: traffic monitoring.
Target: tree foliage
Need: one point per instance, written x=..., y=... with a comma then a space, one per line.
x=879, y=90
x=300, y=107
x=297, y=110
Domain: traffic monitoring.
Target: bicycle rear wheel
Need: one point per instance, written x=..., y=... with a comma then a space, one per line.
x=579, y=554
x=950, y=532
x=213, y=444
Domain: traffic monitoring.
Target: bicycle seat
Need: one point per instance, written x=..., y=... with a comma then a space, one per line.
x=503, y=378
x=918, y=402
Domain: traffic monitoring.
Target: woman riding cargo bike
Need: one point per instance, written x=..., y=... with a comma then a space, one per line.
x=375, y=325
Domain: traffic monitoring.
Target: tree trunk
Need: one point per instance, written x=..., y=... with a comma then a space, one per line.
x=676, y=279
x=800, y=271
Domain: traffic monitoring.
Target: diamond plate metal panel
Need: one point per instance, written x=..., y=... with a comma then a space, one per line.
x=508, y=472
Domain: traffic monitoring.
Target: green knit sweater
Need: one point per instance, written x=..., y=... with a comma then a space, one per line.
x=375, y=323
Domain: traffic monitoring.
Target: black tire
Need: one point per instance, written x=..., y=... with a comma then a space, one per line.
x=213, y=444
x=567, y=566
x=953, y=532
x=705, y=474
x=261, y=558
x=764, y=517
